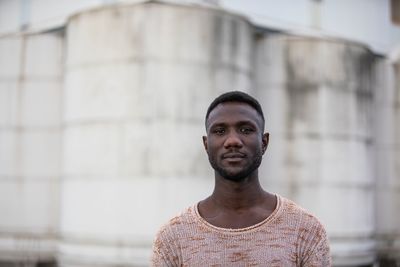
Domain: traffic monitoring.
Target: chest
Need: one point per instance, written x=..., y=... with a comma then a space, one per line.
x=238, y=250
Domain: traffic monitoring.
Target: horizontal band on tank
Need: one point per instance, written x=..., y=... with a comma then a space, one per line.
x=326, y=135
x=27, y=178
x=17, y=128
x=143, y=60
x=35, y=233
x=352, y=237
x=84, y=256
x=74, y=123
x=97, y=240
x=27, y=247
x=391, y=235
x=131, y=178
x=22, y=78
x=351, y=86
x=326, y=185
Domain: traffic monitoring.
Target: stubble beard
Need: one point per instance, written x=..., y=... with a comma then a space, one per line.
x=241, y=175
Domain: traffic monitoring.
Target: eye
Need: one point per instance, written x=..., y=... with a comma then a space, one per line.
x=246, y=130
x=218, y=131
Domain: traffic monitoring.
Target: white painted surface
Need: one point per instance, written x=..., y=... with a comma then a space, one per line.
x=387, y=156
x=9, y=16
x=10, y=54
x=134, y=111
x=39, y=154
x=40, y=103
x=41, y=62
x=30, y=145
x=28, y=207
x=8, y=102
x=130, y=151
x=91, y=150
x=367, y=22
x=8, y=153
x=320, y=121
x=103, y=91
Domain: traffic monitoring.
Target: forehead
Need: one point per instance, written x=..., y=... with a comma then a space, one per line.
x=230, y=112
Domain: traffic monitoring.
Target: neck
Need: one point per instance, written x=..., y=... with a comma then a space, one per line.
x=241, y=195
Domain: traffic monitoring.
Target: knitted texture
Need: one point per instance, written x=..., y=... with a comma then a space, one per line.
x=290, y=236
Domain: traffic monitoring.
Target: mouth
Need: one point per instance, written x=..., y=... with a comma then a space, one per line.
x=233, y=156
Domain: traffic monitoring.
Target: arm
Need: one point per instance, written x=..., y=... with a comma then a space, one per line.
x=318, y=252
x=320, y=256
x=164, y=253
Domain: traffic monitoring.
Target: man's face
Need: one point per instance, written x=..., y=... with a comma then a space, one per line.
x=235, y=141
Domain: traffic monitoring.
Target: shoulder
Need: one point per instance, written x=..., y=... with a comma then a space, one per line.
x=312, y=238
x=166, y=245
x=306, y=226
x=297, y=214
x=176, y=224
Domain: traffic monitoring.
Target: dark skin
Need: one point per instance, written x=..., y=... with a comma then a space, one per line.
x=235, y=142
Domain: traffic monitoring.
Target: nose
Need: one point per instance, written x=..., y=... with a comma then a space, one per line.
x=233, y=140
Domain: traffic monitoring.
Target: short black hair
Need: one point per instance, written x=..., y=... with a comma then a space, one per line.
x=236, y=96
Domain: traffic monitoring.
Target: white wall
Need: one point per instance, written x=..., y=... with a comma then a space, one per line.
x=317, y=99
x=129, y=74
x=136, y=90
x=30, y=143
x=364, y=21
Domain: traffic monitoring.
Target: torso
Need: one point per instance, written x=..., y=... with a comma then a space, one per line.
x=237, y=218
x=288, y=237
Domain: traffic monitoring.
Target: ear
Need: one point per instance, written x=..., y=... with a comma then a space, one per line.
x=265, y=141
x=205, y=143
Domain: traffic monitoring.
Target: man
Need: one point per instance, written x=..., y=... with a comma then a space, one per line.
x=240, y=224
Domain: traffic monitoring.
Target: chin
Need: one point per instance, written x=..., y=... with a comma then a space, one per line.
x=234, y=177
x=235, y=173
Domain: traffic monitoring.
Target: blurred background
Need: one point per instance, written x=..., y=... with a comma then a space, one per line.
x=102, y=106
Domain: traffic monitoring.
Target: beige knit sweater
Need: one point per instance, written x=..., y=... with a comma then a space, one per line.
x=290, y=236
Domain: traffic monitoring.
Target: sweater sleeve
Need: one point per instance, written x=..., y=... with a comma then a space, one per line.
x=318, y=251
x=165, y=252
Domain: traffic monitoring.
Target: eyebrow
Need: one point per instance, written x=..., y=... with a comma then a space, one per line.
x=216, y=124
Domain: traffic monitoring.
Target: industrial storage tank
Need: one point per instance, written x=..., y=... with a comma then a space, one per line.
x=138, y=80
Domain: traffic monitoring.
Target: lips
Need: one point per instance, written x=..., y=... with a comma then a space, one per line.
x=233, y=155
